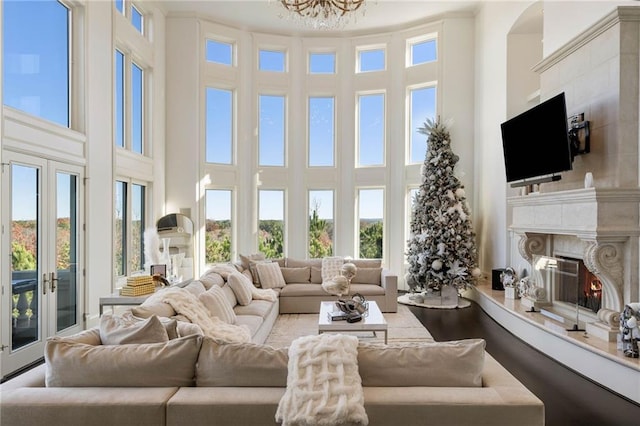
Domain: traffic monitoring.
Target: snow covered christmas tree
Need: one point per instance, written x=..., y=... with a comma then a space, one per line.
x=442, y=249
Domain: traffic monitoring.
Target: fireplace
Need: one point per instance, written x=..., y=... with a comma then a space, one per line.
x=581, y=288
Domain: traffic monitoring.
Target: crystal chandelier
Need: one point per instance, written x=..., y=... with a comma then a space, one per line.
x=322, y=14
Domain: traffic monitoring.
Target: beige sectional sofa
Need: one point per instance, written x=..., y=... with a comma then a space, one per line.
x=469, y=388
x=303, y=291
x=192, y=379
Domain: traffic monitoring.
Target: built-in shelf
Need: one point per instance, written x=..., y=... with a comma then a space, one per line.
x=599, y=360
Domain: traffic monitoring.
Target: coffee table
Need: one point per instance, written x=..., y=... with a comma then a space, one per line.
x=373, y=322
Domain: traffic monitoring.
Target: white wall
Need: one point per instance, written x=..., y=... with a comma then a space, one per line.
x=99, y=171
x=564, y=20
x=493, y=22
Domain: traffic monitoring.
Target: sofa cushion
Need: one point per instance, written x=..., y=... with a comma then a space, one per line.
x=211, y=278
x=251, y=322
x=367, y=276
x=270, y=275
x=188, y=328
x=126, y=329
x=253, y=267
x=241, y=364
x=444, y=364
x=172, y=363
x=245, y=259
x=296, y=275
x=367, y=289
x=301, y=263
x=303, y=290
x=229, y=294
x=316, y=275
x=367, y=263
x=241, y=287
x=217, y=304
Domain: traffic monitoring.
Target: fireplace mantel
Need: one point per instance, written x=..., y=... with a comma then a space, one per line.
x=605, y=223
x=599, y=214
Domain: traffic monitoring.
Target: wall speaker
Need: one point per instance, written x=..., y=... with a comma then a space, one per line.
x=496, y=284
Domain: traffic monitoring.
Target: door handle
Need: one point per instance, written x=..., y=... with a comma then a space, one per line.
x=54, y=281
x=45, y=282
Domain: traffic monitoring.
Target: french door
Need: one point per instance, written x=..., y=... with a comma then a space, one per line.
x=42, y=280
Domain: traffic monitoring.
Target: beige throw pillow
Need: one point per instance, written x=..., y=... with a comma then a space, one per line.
x=445, y=364
x=296, y=275
x=241, y=287
x=270, y=275
x=367, y=276
x=211, y=278
x=172, y=363
x=241, y=364
x=216, y=303
x=126, y=329
x=245, y=259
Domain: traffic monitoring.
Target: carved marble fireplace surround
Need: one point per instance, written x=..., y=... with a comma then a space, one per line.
x=600, y=226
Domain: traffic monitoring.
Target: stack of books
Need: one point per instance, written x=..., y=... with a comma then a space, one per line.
x=138, y=286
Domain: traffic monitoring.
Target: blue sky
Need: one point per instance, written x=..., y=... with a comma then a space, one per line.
x=35, y=80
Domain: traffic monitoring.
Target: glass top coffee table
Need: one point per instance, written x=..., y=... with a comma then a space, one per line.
x=374, y=321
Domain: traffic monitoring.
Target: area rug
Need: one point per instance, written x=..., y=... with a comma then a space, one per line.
x=403, y=326
x=462, y=303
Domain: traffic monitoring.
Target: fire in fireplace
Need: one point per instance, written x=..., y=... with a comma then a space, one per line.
x=581, y=288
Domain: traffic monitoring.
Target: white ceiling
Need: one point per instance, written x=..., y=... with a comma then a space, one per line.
x=262, y=15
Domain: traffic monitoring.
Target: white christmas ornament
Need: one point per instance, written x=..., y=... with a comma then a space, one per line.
x=437, y=265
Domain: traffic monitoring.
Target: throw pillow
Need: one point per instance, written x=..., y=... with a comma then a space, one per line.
x=216, y=303
x=316, y=275
x=296, y=275
x=188, y=329
x=331, y=267
x=224, y=269
x=241, y=288
x=367, y=276
x=246, y=259
x=253, y=267
x=445, y=364
x=171, y=363
x=241, y=364
x=195, y=287
x=126, y=329
x=230, y=295
x=211, y=278
x=270, y=275
x=367, y=263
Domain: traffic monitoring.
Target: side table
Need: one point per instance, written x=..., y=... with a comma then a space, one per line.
x=115, y=299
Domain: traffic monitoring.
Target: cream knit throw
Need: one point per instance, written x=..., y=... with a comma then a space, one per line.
x=263, y=294
x=188, y=305
x=323, y=383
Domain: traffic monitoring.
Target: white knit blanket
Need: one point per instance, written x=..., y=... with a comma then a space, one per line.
x=263, y=294
x=323, y=383
x=188, y=305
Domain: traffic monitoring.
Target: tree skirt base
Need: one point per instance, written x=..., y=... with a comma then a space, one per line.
x=462, y=303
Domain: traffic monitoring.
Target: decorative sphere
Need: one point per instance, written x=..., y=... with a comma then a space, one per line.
x=460, y=192
x=349, y=270
x=476, y=272
x=436, y=265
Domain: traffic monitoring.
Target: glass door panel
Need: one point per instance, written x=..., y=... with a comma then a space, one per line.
x=65, y=281
x=25, y=259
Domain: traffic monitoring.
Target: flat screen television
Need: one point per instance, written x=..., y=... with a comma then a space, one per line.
x=536, y=143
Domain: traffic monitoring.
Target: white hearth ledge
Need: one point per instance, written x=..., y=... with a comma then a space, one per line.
x=591, y=357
